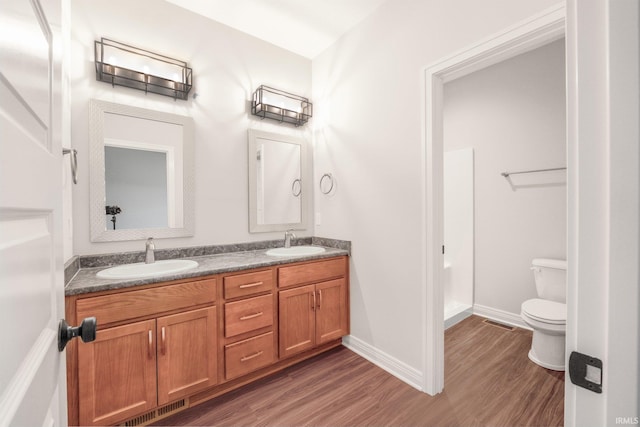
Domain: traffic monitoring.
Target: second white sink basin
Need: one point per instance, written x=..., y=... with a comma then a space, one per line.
x=141, y=270
x=295, y=250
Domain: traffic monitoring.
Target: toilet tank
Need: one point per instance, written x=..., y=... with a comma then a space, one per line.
x=551, y=278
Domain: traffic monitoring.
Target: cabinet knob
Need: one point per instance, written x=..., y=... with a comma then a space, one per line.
x=86, y=331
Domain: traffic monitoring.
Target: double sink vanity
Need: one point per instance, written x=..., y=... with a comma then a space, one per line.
x=191, y=324
x=168, y=340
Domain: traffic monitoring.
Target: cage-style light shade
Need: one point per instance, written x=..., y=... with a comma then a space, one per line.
x=282, y=106
x=124, y=65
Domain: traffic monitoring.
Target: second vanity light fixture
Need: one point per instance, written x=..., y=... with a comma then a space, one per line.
x=282, y=106
x=124, y=65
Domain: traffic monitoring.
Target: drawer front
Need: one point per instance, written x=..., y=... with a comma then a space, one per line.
x=248, y=315
x=248, y=355
x=132, y=304
x=242, y=285
x=312, y=272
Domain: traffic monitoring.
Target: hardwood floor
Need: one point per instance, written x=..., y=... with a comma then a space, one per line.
x=489, y=381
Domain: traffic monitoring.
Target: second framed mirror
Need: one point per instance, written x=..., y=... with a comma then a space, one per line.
x=278, y=182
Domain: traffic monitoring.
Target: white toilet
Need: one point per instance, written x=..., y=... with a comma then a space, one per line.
x=547, y=315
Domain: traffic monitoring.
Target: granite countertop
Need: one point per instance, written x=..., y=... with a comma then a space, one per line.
x=85, y=280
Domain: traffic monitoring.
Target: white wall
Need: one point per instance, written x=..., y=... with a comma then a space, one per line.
x=368, y=103
x=227, y=66
x=513, y=116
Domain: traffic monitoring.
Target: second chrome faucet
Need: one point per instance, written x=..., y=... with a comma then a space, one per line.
x=150, y=247
x=288, y=235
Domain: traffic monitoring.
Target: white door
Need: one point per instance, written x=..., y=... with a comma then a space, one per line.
x=32, y=371
x=603, y=65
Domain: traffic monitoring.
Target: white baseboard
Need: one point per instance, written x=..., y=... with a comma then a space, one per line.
x=500, y=316
x=395, y=367
x=453, y=319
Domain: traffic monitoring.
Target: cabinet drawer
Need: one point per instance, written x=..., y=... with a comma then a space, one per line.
x=132, y=304
x=248, y=315
x=242, y=285
x=312, y=272
x=248, y=355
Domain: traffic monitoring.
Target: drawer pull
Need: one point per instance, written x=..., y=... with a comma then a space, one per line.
x=250, y=285
x=253, y=356
x=252, y=316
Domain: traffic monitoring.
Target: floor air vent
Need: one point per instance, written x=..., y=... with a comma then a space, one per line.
x=141, y=419
x=498, y=325
x=171, y=408
x=156, y=414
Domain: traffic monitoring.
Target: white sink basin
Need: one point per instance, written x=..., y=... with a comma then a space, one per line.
x=141, y=270
x=295, y=250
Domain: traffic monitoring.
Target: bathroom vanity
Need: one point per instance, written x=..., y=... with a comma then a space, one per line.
x=165, y=345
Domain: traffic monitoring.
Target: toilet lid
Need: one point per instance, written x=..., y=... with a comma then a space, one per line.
x=545, y=311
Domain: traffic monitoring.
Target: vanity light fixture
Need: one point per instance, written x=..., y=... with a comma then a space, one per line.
x=282, y=106
x=125, y=65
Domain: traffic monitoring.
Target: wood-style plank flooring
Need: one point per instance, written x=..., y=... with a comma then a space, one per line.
x=489, y=381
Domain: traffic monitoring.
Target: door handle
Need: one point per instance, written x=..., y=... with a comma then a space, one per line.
x=74, y=162
x=164, y=345
x=150, y=347
x=86, y=331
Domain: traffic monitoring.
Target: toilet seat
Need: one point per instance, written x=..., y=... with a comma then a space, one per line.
x=545, y=311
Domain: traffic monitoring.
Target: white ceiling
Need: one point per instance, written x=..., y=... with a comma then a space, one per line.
x=306, y=27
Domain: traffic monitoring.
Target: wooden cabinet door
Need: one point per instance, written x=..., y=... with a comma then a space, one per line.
x=187, y=353
x=117, y=374
x=331, y=311
x=297, y=320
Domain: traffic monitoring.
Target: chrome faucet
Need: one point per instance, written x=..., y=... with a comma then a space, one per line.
x=149, y=257
x=288, y=235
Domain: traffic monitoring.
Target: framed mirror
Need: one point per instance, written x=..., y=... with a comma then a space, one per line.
x=279, y=188
x=141, y=172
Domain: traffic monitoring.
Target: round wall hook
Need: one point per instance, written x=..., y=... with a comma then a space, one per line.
x=296, y=187
x=326, y=178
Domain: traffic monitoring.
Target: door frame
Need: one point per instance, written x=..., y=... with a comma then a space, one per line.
x=603, y=67
x=534, y=32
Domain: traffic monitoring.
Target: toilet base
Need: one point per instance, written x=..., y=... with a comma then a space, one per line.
x=548, y=350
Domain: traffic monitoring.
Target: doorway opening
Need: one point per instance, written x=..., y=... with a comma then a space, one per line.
x=542, y=29
x=504, y=153
x=504, y=183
